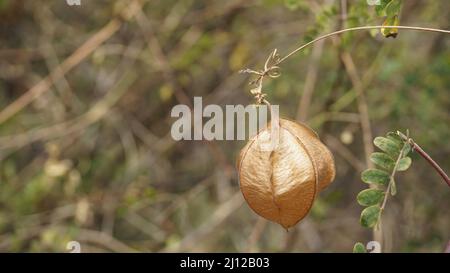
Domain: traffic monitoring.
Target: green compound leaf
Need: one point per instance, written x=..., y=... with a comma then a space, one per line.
x=359, y=248
x=404, y=164
x=370, y=197
x=369, y=216
x=374, y=176
x=383, y=161
x=388, y=146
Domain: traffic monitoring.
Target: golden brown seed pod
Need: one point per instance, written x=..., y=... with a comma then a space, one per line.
x=280, y=184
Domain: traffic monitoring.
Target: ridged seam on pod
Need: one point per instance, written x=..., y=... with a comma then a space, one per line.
x=281, y=184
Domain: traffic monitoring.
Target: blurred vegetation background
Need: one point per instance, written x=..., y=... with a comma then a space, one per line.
x=85, y=99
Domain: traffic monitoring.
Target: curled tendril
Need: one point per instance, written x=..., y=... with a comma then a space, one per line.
x=271, y=70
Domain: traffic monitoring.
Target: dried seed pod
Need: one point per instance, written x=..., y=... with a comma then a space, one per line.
x=280, y=184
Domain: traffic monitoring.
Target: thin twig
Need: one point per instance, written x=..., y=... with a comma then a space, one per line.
x=44, y=85
x=344, y=152
x=359, y=28
x=102, y=239
x=363, y=108
x=428, y=158
x=271, y=66
x=255, y=235
x=310, y=82
x=222, y=212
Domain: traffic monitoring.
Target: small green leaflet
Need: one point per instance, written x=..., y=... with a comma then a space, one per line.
x=370, y=197
x=395, y=137
x=393, y=8
x=374, y=176
x=383, y=161
x=393, y=189
x=404, y=164
x=369, y=216
x=381, y=8
x=388, y=146
x=359, y=248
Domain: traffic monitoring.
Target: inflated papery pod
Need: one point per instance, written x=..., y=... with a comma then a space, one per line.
x=281, y=183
